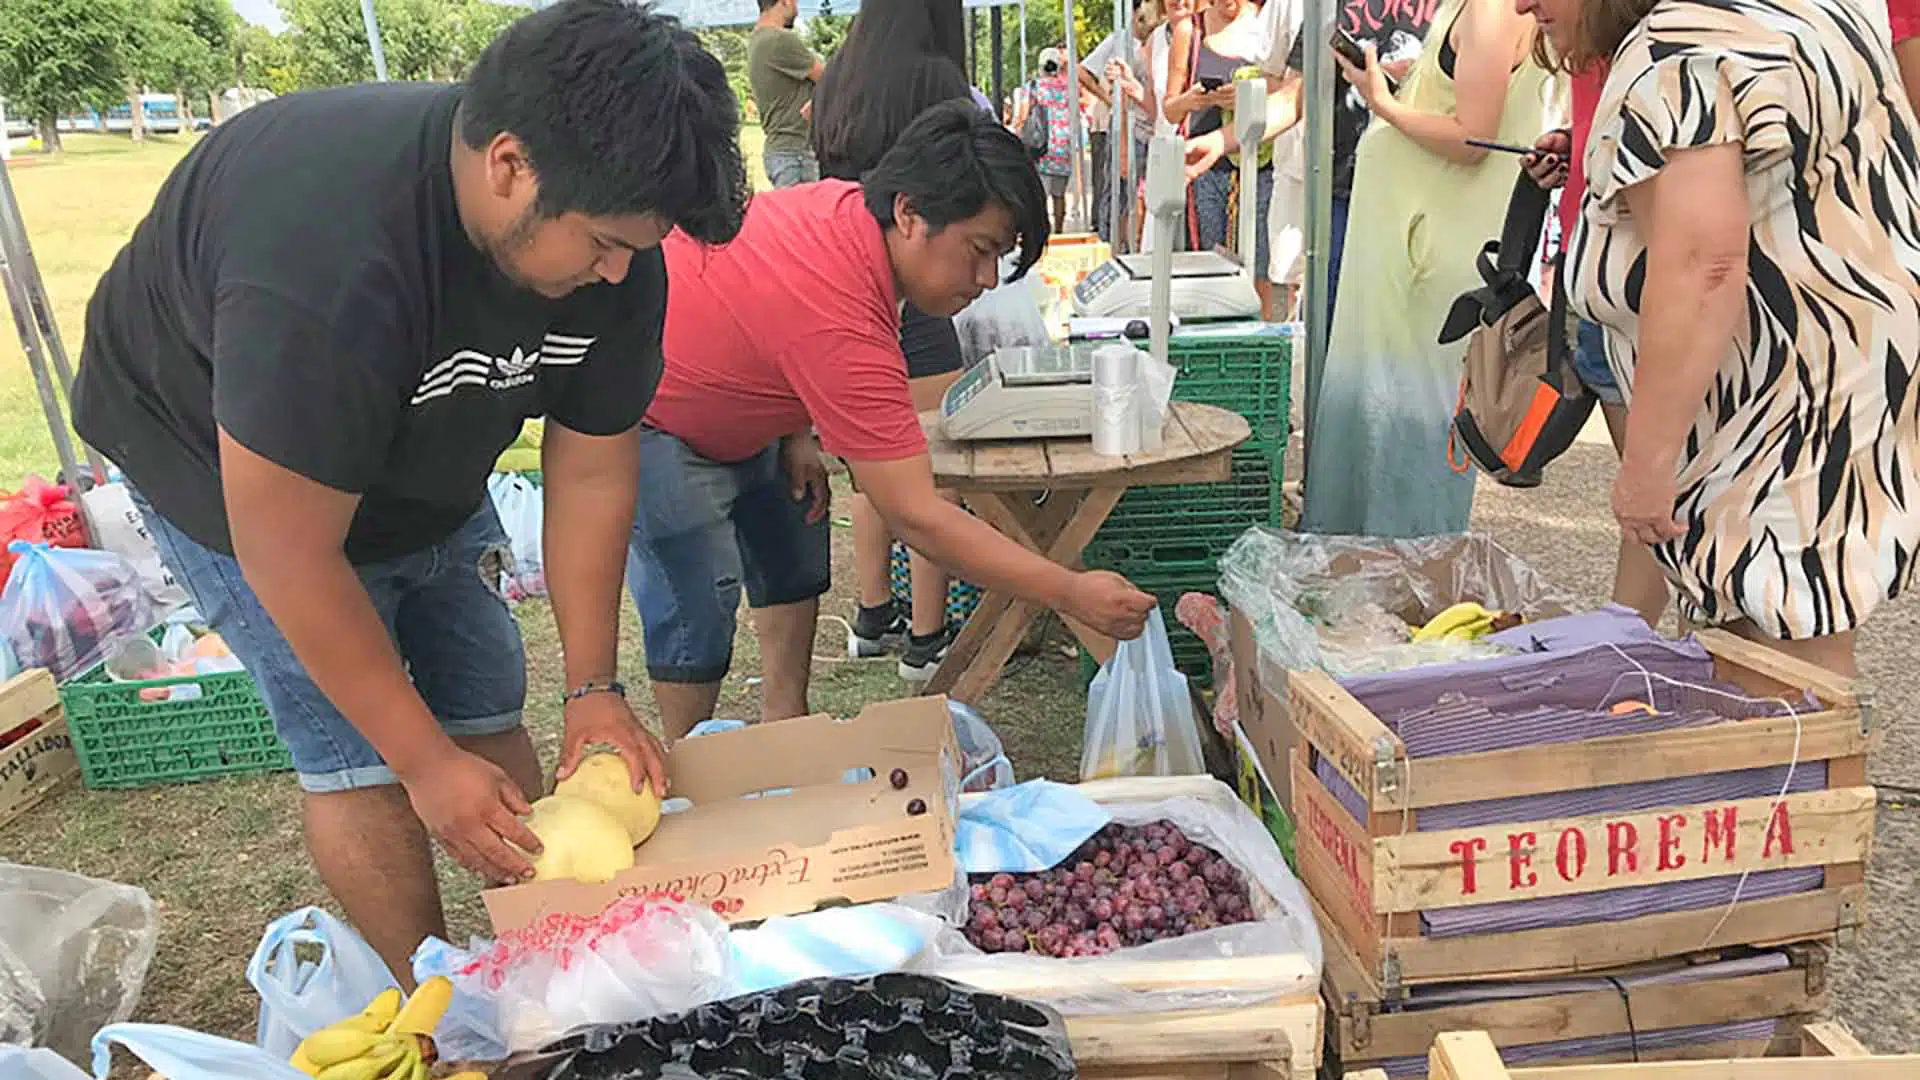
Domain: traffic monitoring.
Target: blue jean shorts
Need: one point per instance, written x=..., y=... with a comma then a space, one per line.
x=705, y=529
x=443, y=610
x=1590, y=364
x=785, y=168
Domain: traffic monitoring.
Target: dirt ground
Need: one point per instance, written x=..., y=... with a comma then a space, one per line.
x=1566, y=530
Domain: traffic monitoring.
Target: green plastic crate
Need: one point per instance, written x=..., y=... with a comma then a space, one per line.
x=1251, y=375
x=124, y=742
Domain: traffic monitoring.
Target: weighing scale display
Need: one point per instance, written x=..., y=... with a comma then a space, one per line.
x=1023, y=392
x=1046, y=365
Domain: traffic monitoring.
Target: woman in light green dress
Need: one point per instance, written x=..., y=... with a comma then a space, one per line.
x=1424, y=203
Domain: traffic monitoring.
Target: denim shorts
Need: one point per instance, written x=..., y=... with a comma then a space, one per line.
x=1590, y=364
x=785, y=168
x=703, y=530
x=443, y=611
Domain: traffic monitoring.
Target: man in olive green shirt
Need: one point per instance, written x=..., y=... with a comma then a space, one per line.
x=783, y=70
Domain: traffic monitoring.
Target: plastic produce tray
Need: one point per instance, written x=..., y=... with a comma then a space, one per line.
x=887, y=1026
x=124, y=742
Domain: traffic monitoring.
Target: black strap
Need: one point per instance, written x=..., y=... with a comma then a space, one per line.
x=1503, y=264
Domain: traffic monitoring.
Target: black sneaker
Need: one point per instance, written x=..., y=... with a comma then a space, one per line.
x=923, y=655
x=876, y=631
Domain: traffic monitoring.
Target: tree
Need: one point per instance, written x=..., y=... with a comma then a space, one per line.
x=262, y=58
x=61, y=56
x=472, y=26
x=728, y=44
x=183, y=46
x=423, y=39
x=826, y=32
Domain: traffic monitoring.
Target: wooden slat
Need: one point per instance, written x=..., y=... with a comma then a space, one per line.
x=1830, y=1038
x=1776, y=668
x=1565, y=949
x=1460, y=867
x=1024, y=463
x=952, y=461
x=1586, y=1014
x=28, y=695
x=1465, y=1055
x=1345, y=733
x=1265, y=1032
x=1891, y=1067
x=1038, y=526
x=1336, y=862
x=1630, y=759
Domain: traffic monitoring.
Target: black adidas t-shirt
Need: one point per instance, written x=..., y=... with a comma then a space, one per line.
x=303, y=281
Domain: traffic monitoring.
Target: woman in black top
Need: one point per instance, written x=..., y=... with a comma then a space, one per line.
x=900, y=58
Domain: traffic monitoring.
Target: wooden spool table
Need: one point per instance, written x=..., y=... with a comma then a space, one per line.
x=1002, y=483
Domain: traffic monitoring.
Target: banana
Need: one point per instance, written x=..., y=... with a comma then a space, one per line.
x=331, y=1046
x=383, y=1008
x=1458, y=616
x=422, y=1012
x=301, y=1061
x=368, y=1066
x=408, y=1064
x=420, y=1072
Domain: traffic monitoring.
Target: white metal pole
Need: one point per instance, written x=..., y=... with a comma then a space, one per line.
x=39, y=336
x=1319, y=81
x=1119, y=132
x=1023, y=42
x=373, y=39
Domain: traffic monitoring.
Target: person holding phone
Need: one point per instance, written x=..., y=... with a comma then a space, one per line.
x=1429, y=200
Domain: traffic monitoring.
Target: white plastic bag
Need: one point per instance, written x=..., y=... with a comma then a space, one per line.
x=21, y=1063
x=1005, y=315
x=641, y=957
x=61, y=606
x=118, y=527
x=74, y=953
x=520, y=505
x=179, y=1054
x=299, y=995
x=1140, y=718
x=1284, y=937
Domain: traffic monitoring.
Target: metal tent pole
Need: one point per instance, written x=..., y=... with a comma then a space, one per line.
x=1077, y=139
x=39, y=334
x=996, y=29
x=1119, y=133
x=1317, y=24
x=1023, y=42
x=373, y=39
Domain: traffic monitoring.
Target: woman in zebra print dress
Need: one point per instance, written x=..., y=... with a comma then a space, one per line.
x=1750, y=240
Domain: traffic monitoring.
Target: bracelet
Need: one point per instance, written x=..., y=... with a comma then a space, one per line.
x=593, y=686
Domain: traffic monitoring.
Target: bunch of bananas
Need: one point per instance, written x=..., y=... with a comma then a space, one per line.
x=1464, y=622
x=387, y=1040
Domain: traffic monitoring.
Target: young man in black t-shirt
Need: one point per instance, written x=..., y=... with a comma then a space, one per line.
x=339, y=311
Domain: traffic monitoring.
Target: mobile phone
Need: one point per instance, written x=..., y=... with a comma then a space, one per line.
x=1210, y=84
x=1505, y=148
x=1348, y=46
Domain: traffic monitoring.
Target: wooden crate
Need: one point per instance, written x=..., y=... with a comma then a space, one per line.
x=1823, y=1051
x=1361, y=1031
x=1373, y=878
x=36, y=752
x=1279, y=1039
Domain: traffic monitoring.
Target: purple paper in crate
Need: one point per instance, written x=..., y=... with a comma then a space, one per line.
x=1562, y=691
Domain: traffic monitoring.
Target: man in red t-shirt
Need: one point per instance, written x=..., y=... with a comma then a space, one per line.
x=793, y=328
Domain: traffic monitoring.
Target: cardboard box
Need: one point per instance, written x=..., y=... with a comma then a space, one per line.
x=36, y=755
x=1263, y=708
x=751, y=854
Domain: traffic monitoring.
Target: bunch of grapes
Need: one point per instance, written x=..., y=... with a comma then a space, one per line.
x=1125, y=886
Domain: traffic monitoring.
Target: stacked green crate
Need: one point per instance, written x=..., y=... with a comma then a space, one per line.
x=1168, y=540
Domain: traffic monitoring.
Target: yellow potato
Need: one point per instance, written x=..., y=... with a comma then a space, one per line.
x=603, y=779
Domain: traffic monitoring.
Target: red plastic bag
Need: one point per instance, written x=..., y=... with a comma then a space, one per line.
x=39, y=513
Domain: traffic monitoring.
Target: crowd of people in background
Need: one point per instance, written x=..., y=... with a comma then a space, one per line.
x=1786, y=511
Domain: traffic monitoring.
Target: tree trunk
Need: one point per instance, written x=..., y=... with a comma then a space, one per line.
x=138, y=110
x=50, y=134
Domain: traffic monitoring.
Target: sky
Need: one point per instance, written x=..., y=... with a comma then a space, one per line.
x=261, y=11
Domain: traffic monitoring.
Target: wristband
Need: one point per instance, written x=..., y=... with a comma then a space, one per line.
x=593, y=686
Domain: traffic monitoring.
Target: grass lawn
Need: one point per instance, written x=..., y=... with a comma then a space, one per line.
x=224, y=857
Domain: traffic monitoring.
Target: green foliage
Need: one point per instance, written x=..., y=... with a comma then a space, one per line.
x=424, y=39
x=60, y=56
x=826, y=31
x=183, y=46
x=264, y=59
x=728, y=44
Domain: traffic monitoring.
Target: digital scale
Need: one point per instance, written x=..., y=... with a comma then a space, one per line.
x=1206, y=284
x=1046, y=391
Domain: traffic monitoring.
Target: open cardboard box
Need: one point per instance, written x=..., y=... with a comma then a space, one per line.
x=749, y=854
x=36, y=754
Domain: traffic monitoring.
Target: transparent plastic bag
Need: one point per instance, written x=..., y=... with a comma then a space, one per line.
x=640, y=958
x=1285, y=938
x=1140, y=718
x=74, y=953
x=62, y=605
x=1203, y=615
x=311, y=971
x=179, y=1054
x=983, y=758
x=1008, y=314
x=1348, y=605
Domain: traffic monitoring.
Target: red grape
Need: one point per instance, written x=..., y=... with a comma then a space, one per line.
x=1103, y=909
x=1001, y=881
x=1017, y=899
x=1179, y=872
x=1101, y=859
x=1035, y=889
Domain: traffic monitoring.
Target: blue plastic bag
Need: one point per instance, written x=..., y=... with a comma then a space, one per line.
x=300, y=996
x=1140, y=719
x=179, y=1054
x=62, y=606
